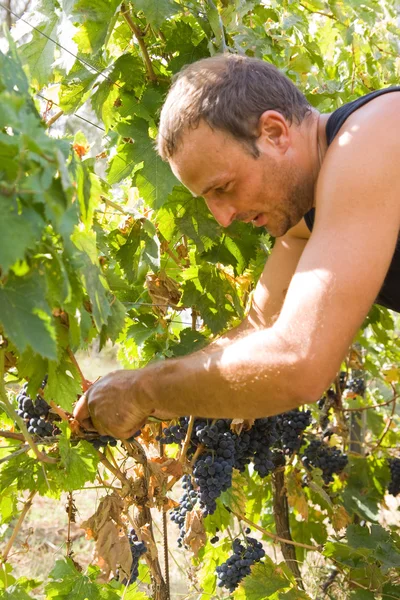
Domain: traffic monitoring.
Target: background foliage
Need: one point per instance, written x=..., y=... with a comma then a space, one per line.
x=99, y=241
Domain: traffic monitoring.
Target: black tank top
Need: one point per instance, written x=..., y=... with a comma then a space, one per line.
x=389, y=294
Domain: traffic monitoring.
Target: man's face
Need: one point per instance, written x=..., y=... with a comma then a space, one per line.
x=270, y=191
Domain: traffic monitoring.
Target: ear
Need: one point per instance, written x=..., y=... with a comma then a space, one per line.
x=273, y=131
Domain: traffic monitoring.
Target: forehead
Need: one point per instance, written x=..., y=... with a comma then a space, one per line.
x=205, y=156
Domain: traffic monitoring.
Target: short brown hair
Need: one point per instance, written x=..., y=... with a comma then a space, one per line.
x=229, y=92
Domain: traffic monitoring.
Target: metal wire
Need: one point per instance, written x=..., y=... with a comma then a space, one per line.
x=74, y=114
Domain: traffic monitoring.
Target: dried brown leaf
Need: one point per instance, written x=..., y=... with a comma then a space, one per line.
x=195, y=537
x=340, y=518
x=169, y=466
x=105, y=526
x=295, y=494
x=110, y=507
x=114, y=548
x=144, y=534
x=239, y=425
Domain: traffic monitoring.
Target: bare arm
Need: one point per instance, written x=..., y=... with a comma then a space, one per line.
x=272, y=286
x=336, y=281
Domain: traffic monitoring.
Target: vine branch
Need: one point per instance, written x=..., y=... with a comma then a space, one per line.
x=84, y=382
x=277, y=539
x=138, y=34
x=17, y=527
x=187, y=440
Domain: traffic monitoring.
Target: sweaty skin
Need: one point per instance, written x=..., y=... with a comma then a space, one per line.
x=313, y=294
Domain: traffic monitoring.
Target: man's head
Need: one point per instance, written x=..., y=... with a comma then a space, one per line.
x=230, y=129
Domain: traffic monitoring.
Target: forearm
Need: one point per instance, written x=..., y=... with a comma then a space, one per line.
x=255, y=376
x=244, y=328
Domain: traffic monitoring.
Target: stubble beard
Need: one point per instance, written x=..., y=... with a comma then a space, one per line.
x=299, y=200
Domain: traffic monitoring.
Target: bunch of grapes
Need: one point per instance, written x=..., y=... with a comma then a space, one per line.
x=176, y=433
x=356, y=385
x=394, y=486
x=238, y=566
x=213, y=469
x=327, y=458
x=137, y=550
x=290, y=427
x=102, y=441
x=186, y=504
x=35, y=413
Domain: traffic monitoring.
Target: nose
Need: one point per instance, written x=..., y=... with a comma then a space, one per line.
x=221, y=211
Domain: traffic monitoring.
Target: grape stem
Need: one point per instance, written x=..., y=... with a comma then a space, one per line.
x=12, y=436
x=14, y=454
x=271, y=535
x=389, y=423
x=116, y=472
x=187, y=440
x=17, y=527
x=59, y=411
x=84, y=382
x=372, y=406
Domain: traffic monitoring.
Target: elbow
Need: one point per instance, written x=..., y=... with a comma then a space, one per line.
x=310, y=382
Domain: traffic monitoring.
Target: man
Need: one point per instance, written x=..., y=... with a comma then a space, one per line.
x=240, y=134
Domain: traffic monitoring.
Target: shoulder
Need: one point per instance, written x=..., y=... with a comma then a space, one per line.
x=361, y=165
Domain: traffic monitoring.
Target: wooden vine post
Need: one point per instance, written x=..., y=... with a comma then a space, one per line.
x=281, y=516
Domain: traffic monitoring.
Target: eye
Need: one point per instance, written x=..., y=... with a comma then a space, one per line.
x=222, y=189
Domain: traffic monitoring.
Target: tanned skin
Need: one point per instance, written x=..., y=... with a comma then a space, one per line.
x=315, y=290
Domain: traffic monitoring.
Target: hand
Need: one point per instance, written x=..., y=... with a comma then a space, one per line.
x=111, y=405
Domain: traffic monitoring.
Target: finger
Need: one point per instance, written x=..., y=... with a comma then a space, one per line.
x=87, y=424
x=81, y=410
x=101, y=429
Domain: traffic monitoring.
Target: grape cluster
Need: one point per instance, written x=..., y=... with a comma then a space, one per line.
x=261, y=438
x=186, y=504
x=327, y=458
x=394, y=486
x=35, y=413
x=213, y=469
x=176, y=433
x=290, y=427
x=356, y=385
x=237, y=567
x=137, y=550
x=102, y=441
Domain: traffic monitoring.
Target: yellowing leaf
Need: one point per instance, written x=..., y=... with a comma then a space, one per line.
x=340, y=518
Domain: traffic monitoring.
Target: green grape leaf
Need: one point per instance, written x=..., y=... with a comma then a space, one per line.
x=78, y=464
x=68, y=583
x=25, y=315
x=95, y=17
x=151, y=250
x=88, y=190
x=12, y=74
x=362, y=595
x=189, y=341
x=154, y=179
x=39, y=52
x=76, y=87
x=63, y=384
x=235, y=497
x=19, y=230
x=265, y=579
x=156, y=11
x=15, y=592
x=94, y=281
